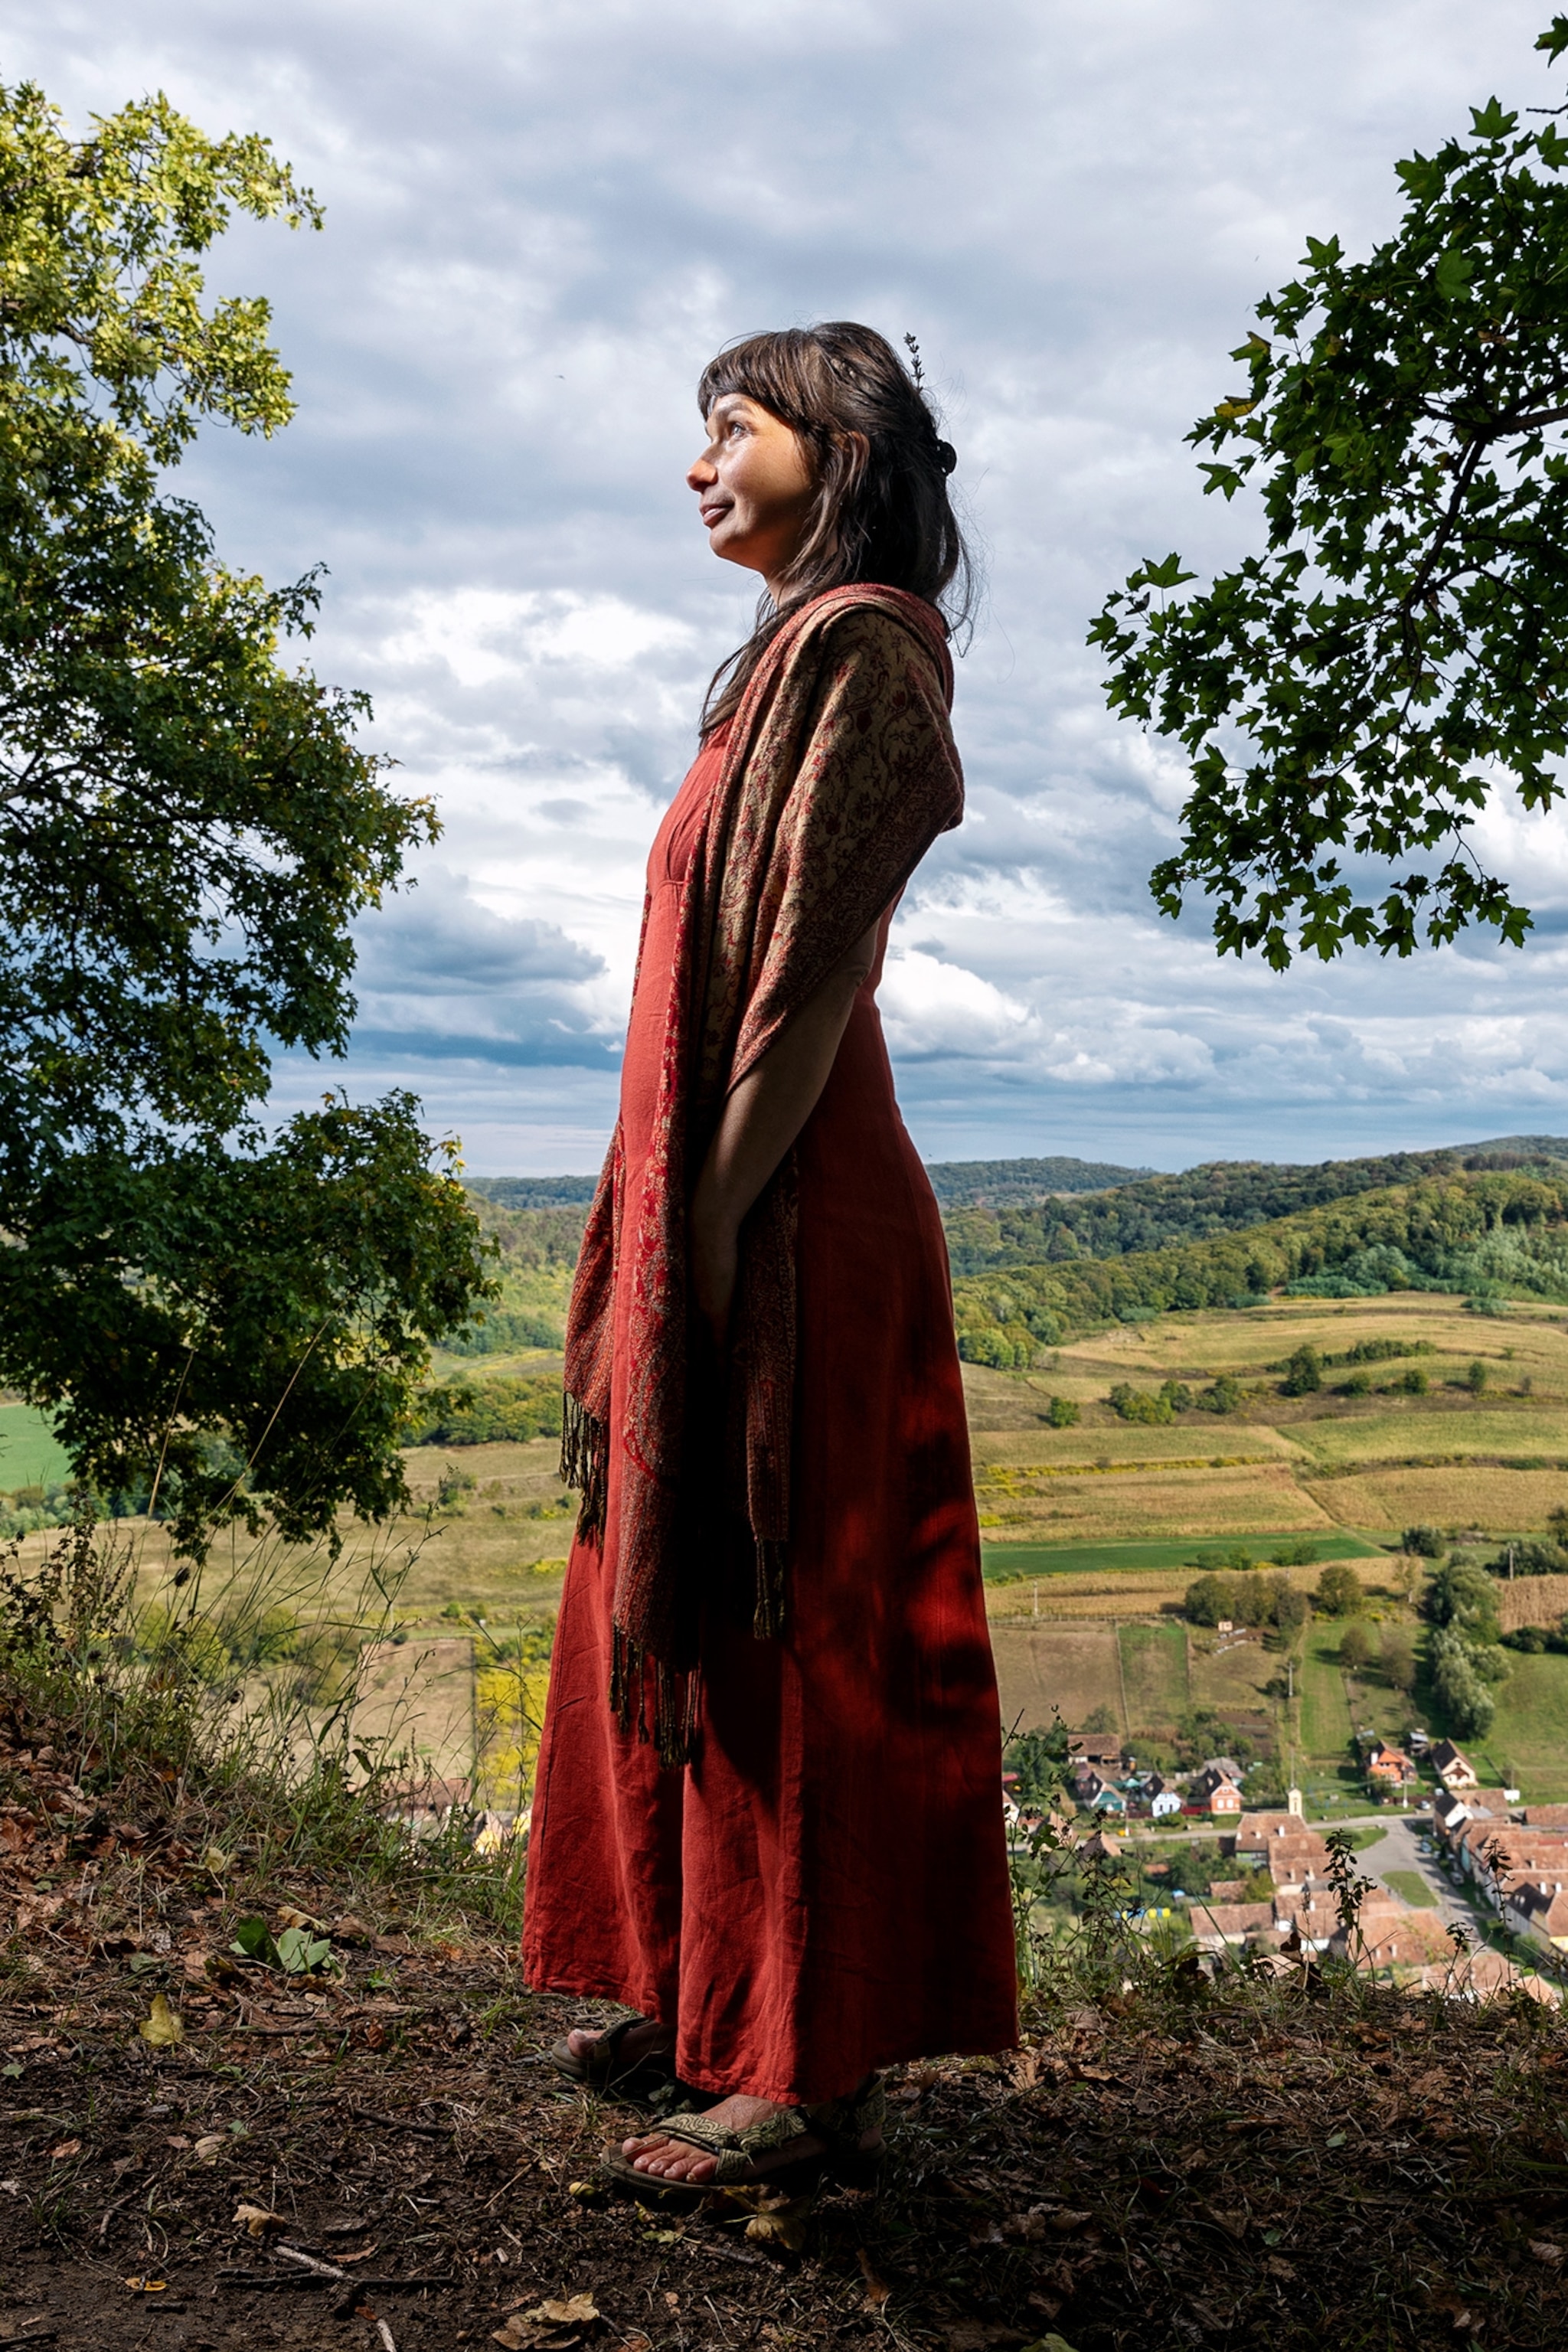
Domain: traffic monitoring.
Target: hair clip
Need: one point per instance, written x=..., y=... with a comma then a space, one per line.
x=946, y=455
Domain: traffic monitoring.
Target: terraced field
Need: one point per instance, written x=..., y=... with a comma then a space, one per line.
x=1092, y=1533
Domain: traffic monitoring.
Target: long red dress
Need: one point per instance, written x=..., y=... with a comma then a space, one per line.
x=823, y=1889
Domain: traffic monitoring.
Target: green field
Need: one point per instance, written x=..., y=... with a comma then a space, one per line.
x=1325, y=1712
x=1528, y=1743
x=1004, y=1563
x=30, y=1454
x=1413, y=1887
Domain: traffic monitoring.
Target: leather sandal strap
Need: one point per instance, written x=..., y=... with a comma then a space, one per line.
x=735, y=2151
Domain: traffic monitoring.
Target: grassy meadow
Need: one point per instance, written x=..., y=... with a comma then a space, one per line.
x=1090, y=1536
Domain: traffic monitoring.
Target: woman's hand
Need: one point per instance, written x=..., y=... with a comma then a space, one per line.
x=715, y=1259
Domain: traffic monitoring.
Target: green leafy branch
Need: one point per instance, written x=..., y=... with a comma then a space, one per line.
x=1399, y=651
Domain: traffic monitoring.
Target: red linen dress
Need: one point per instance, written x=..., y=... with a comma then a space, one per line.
x=823, y=1889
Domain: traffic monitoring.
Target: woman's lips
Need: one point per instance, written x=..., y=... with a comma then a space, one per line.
x=710, y=515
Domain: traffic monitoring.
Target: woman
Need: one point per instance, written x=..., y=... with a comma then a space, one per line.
x=768, y=1817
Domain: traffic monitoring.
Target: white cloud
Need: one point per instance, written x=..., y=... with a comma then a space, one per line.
x=542, y=220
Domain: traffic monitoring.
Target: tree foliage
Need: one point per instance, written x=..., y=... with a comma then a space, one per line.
x=1482, y=1233
x=187, y=829
x=1357, y=689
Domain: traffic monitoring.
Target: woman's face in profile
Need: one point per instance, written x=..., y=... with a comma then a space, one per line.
x=754, y=486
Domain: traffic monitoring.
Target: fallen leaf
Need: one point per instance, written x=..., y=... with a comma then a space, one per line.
x=577, y=2311
x=1066, y=2222
x=210, y=2146
x=288, y=1917
x=1031, y=2226
x=877, y=2288
x=363, y=2254
x=1545, y=2251
x=162, y=2027
x=218, y=1863
x=258, y=2220
x=782, y=2225
x=67, y=2148
x=147, y=2285
x=514, y=2335
x=195, y=1968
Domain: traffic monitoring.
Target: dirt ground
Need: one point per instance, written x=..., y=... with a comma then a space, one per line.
x=1297, y=2164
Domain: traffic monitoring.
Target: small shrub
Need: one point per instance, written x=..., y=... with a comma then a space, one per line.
x=1063, y=1413
x=1397, y=1658
x=1415, y=1382
x=1475, y=1379
x=1225, y=1396
x=1426, y=1543
x=1340, y=1591
x=1303, y=1373
x=1355, y=1648
x=1139, y=1404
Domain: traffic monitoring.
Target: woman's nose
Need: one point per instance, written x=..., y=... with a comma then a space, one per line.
x=700, y=473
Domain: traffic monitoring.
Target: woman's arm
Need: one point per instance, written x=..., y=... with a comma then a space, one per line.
x=761, y=1120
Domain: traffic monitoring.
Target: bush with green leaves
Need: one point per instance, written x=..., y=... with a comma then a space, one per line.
x=1341, y=1592
x=1303, y=1373
x=1063, y=1413
x=485, y=1411
x=1397, y=1657
x=1462, y=1596
x=1253, y=1599
x=1462, y=1671
x=1355, y=1648
x=1424, y=1543
x=1534, y=1639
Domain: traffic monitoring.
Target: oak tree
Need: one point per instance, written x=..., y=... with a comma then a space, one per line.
x=188, y=826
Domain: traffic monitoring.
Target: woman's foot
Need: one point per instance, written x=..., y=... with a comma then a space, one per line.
x=663, y=2159
x=646, y=2039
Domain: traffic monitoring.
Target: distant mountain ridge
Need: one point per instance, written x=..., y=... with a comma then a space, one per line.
x=986, y=1233
x=1008, y=1218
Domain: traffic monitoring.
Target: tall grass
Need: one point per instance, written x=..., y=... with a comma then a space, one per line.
x=218, y=1704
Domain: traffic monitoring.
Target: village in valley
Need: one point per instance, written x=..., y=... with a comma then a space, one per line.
x=1487, y=1871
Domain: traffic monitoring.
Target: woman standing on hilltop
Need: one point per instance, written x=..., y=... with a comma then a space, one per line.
x=769, y=1809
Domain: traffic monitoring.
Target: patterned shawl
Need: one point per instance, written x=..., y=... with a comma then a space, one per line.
x=838, y=772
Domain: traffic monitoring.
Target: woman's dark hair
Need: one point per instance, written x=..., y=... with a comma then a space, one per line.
x=881, y=511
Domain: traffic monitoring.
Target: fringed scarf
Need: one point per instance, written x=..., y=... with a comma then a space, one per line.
x=839, y=771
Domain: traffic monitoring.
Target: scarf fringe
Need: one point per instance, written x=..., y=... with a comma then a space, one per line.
x=677, y=1696
x=585, y=1466
x=768, y=1622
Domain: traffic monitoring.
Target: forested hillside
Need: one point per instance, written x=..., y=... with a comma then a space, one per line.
x=1153, y=1213
x=999, y=1183
x=1073, y=1256
x=1484, y=1233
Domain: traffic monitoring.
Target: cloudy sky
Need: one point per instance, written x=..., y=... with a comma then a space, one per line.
x=543, y=217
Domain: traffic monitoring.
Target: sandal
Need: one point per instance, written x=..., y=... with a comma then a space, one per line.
x=601, y=2068
x=839, y=2123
